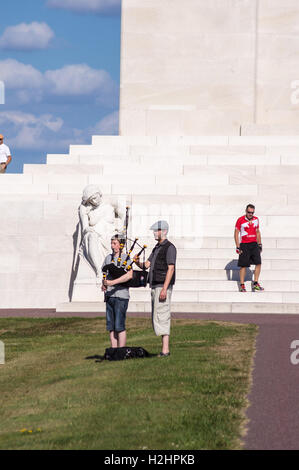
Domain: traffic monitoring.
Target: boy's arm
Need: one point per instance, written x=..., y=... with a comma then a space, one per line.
x=124, y=278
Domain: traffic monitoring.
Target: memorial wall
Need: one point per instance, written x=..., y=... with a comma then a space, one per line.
x=197, y=67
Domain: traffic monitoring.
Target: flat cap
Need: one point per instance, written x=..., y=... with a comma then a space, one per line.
x=160, y=225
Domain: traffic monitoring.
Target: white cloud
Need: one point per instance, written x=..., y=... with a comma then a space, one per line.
x=87, y=6
x=106, y=126
x=28, y=131
x=26, y=37
x=17, y=75
x=77, y=80
x=48, y=133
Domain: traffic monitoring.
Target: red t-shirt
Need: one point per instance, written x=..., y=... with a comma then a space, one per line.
x=247, y=229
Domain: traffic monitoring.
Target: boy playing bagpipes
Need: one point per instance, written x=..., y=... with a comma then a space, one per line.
x=117, y=296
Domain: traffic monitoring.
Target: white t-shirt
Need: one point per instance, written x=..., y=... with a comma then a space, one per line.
x=4, y=153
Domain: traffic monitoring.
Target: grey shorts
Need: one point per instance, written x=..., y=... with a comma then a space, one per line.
x=161, y=314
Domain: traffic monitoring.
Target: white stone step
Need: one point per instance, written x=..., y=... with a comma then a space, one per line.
x=104, y=140
x=227, y=253
x=201, y=160
x=108, y=149
x=276, y=264
x=277, y=285
x=218, y=296
x=269, y=140
x=37, y=169
x=190, y=182
x=266, y=231
x=233, y=275
x=190, y=307
x=22, y=189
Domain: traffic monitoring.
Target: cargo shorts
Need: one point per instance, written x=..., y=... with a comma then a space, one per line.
x=161, y=314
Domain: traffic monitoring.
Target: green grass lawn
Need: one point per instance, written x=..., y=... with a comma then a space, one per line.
x=53, y=397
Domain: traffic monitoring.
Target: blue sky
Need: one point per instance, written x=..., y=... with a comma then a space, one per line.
x=59, y=62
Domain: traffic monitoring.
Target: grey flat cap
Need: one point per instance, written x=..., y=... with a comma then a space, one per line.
x=160, y=225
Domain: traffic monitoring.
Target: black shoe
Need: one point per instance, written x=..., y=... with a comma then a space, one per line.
x=164, y=354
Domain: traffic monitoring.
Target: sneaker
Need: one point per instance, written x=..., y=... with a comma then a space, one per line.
x=242, y=288
x=256, y=287
x=164, y=354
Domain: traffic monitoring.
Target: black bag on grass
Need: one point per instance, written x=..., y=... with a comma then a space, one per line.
x=118, y=354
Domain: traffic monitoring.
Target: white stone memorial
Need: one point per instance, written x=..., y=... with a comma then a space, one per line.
x=217, y=67
x=194, y=75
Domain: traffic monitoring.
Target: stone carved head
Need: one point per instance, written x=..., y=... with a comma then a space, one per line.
x=92, y=195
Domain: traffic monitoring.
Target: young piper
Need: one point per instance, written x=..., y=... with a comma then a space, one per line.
x=117, y=300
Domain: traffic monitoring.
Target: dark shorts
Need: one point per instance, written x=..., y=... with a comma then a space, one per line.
x=251, y=254
x=116, y=310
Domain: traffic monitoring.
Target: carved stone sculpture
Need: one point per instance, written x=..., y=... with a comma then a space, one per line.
x=98, y=222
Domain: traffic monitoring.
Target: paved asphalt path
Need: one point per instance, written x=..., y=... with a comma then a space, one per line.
x=274, y=397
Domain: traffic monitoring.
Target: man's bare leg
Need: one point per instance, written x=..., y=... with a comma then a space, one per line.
x=242, y=275
x=165, y=344
x=257, y=272
x=122, y=339
x=113, y=339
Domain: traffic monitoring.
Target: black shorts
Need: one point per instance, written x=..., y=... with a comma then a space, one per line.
x=251, y=254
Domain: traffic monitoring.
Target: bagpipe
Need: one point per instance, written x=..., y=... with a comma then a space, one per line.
x=119, y=268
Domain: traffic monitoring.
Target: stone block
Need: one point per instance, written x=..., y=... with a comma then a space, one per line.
x=212, y=171
x=77, y=150
x=9, y=263
x=63, y=170
x=228, y=190
x=228, y=150
x=74, y=189
x=249, y=198
x=197, y=140
x=249, y=160
x=161, y=150
x=61, y=179
x=120, y=140
x=21, y=189
x=62, y=159
x=16, y=179
x=218, y=179
x=138, y=188
x=16, y=209
x=264, y=140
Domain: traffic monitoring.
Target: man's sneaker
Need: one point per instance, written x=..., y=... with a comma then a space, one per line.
x=256, y=287
x=242, y=288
